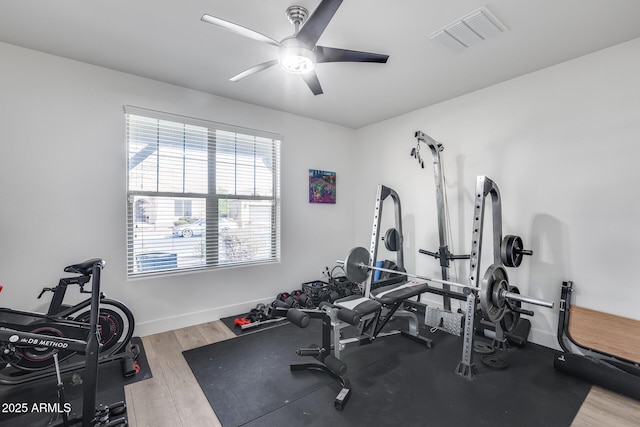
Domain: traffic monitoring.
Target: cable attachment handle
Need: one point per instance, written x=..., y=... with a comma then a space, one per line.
x=415, y=153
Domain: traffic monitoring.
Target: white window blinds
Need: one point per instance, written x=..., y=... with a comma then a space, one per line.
x=201, y=195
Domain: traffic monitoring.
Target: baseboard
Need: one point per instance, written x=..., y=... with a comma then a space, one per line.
x=544, y=338
x=537, y=336
x=195, y=318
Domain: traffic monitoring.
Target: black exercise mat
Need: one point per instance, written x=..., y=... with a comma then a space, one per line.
x=252, y=373
x=395, y=381
x=17, y=401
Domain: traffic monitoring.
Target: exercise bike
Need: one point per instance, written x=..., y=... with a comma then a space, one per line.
x=34, y=336
x=115, y=322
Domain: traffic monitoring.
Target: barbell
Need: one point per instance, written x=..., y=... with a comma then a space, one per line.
x=494, y=292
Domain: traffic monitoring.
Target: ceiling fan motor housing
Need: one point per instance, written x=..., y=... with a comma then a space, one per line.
x=297, y=15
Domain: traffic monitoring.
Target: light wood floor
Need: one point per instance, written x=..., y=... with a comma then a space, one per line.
x=173, y=397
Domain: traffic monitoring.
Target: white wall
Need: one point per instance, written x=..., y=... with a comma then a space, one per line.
x=62, y=169
x=562, y=145
x=558, y=142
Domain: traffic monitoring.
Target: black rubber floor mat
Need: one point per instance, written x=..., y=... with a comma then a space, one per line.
x=395, y=381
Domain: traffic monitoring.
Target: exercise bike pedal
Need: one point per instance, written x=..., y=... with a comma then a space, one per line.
x=129, y=365
x=118, y=422
x=104, y=413
x=118, y=408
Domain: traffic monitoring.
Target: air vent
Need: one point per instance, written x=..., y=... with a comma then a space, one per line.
x=469, y=30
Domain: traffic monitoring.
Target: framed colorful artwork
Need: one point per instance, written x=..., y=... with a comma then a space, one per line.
x=322, y=186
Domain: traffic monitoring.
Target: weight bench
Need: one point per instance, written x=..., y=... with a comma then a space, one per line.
x=376, y=312
x=370, y=315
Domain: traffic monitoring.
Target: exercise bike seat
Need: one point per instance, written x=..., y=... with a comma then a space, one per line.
x=392, y=294
x=85, y=268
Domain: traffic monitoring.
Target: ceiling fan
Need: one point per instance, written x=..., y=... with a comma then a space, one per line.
x=298, y=54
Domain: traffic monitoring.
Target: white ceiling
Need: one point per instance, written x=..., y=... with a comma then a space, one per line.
x=165, y=40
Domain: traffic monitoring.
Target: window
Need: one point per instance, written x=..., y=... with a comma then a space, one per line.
x=200, y=195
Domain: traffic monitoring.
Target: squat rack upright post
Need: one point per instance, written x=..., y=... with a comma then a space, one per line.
x=382, y=193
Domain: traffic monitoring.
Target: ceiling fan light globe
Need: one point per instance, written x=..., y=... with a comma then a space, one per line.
x=297, y=59
x=296, y=64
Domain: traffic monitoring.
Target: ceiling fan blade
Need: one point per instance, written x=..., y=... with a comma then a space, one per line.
x=311, y=79
x=317, y=22
x=332, y=54
x=254, y=69
x=239, y=29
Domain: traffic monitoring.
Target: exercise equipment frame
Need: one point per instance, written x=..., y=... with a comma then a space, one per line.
x=493, y=290
x=115, y=321
x=91, y=416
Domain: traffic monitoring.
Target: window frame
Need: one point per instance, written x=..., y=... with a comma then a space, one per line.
x=211, y=198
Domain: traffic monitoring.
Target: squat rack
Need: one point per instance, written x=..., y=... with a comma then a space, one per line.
x=508, y=252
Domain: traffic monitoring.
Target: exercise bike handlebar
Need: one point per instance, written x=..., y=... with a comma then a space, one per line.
x=76, y=280
x=45, y=290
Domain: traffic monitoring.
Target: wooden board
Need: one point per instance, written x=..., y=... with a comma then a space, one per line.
x=606, y=408
x=616, y=335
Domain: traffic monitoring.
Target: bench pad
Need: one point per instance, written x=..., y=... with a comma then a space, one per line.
x=359, y=304
x=393, y=294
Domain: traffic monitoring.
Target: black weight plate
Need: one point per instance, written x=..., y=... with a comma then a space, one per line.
x=511, y=250
x=356, y=265
x=509, y=321
x=481, y=347
x=392, y=240
x=493, y=278
x=494, y=362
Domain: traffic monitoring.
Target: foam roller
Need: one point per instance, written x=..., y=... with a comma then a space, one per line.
x=298, y=318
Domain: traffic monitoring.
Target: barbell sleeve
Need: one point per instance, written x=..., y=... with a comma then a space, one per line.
x=528, y=300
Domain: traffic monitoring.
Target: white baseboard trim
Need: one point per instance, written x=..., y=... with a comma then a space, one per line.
x=157, y=326
x=544, y=338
